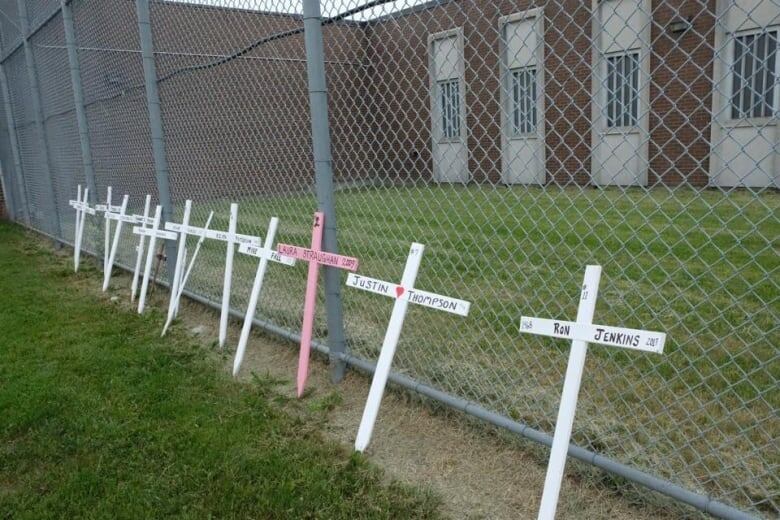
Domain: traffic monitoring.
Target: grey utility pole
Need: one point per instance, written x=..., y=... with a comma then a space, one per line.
x=21, y=190
x=78, y=99
x=35, y=96
x=155, y=124
x=323, y=172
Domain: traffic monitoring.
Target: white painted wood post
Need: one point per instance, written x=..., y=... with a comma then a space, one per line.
x=225, y=314
x=76, y=229
x=185, y=275
x=80, y=231
x=106, y=245
x=140, y=250
x=388, y=350
x=114, y=243
x=254, y=295
x=149, y=259
x=571, y=390
x=174, y=289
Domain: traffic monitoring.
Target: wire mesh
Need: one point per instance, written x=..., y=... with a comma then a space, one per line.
x=519, y=141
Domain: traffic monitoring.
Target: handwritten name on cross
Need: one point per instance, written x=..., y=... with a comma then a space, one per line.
x=264, y=253
x=581, y=332
x=403, y=294
x=231, y=238
x=316, y=257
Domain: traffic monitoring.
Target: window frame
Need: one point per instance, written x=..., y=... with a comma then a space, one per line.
x=437, y=133
x=635, y=118
x=536, y=15
x=514, y=107
x=728, y=108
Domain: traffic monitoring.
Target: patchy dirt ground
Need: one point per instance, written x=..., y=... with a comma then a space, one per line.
x=478, y=472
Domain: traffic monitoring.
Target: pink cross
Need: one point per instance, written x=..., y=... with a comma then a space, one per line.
x=315, y=256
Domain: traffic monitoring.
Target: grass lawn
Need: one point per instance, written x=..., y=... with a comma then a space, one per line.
x=100, y=418
x=700, y=265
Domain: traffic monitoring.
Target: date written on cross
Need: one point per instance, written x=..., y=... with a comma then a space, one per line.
x=635, y=339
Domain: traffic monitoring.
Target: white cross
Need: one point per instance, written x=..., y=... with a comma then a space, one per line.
x=120, y=217
x=176, y=296
x=106, y=208
x=143, y=220
x=403, y=294
x=154, y=233
x=264, y=253
x=231, y=238
x=81, y=205
x=581, y=332
x=177, y=270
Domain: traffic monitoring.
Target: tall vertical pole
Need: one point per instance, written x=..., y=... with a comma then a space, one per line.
x=571, y=390
x=323, y=172
x=6, y=195
x=21, y=189
x=35, y=96
x=78, y=100
x=156, y=125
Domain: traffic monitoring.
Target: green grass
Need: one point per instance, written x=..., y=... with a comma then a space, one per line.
x=701, y=265
x=100, y=418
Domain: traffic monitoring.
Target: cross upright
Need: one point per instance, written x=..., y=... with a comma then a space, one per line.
x=403, y=294
x=316, y=257
x=81, y=205
x=231, y=238
x=581, y=333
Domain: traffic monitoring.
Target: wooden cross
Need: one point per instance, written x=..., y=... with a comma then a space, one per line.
x=143, y=220
x=120, y=217
x=153, y=233
x=581, y=332
x=316, y=257
x=173, y=306
x=403, y=294
x=81, y=205
x=265, y=254
x=107, y=208
x=231, y=238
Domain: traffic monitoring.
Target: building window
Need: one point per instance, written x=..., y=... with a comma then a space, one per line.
x=523, y=90
x=622, y=89
x=754, y=75
x=449, y=105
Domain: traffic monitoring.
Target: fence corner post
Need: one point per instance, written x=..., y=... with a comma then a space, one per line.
x=323, y=172
x=156, y=124
x=78, y=99
x=21, y=206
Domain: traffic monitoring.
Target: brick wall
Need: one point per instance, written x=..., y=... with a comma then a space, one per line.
x=680, y=89
x=245, y=125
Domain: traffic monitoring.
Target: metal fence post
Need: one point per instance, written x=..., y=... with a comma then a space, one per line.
x=323, y=171
x=6, y=195
x=35, y=95
x=78, y=99
x=155, y=123
x=20, y=185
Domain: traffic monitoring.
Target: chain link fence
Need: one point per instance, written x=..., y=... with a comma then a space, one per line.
x=518, y=140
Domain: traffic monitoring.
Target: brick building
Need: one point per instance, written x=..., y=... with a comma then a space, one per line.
x=627, y=92
x=512, y=91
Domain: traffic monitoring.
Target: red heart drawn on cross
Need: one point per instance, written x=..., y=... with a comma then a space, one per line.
x=399, y=291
